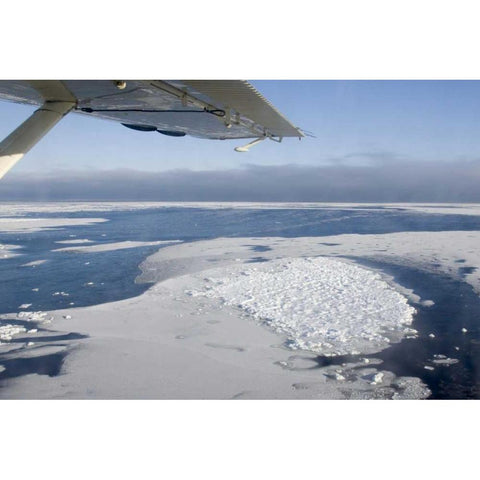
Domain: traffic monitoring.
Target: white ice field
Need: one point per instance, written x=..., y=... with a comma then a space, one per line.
x=216, y=323
x=320, y=304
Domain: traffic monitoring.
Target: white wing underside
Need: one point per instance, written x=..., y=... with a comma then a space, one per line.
x=215, y=109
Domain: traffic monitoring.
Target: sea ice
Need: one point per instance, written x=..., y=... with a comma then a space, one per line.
x=444, y=360
x=410, y=388
x=108, y=247
x=75, y=241
x=320, y=304
x=375, y=378
x=27, y=225
x=428, y=303
x=34, y=263
x=8, y=331
x=35, y=316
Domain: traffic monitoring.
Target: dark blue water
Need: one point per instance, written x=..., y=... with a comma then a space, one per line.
x=113, y=273
x=456, y=306
x=94, y=278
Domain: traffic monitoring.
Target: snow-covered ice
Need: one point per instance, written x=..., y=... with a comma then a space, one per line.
x=8, y=331
x=7, y=209
x=107, y=247
x=320, y=304
x=171, y=345
x=440, y=359
x=74, y=241
x=27, y=225
x=428, y=303
x=32, y=316
x=34, y=263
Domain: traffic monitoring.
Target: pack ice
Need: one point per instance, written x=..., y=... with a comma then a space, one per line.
x=321, y=304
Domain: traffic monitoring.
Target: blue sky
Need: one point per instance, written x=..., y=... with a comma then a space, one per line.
x=355, y=122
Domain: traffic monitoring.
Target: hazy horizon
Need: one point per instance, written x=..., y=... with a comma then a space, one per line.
x=380, y=179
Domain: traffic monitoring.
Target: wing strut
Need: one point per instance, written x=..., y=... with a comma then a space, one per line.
x=21, y=140
x=249, y=145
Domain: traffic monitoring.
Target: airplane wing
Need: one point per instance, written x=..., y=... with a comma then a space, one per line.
x=210, y=109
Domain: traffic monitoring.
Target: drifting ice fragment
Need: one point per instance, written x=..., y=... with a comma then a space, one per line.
x=377, y=378
x=8, y=331
x=428, y=303
x=444, y=360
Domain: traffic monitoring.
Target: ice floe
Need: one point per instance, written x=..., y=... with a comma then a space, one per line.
x=107, y=247
x=321, y=304
x=427, y=303
x=32, y=316
x=8, y=331
x=198, y=347
x=74, y=241
x=440, y=359
x=27, y=225
x=438, y=253
x=34, y=263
